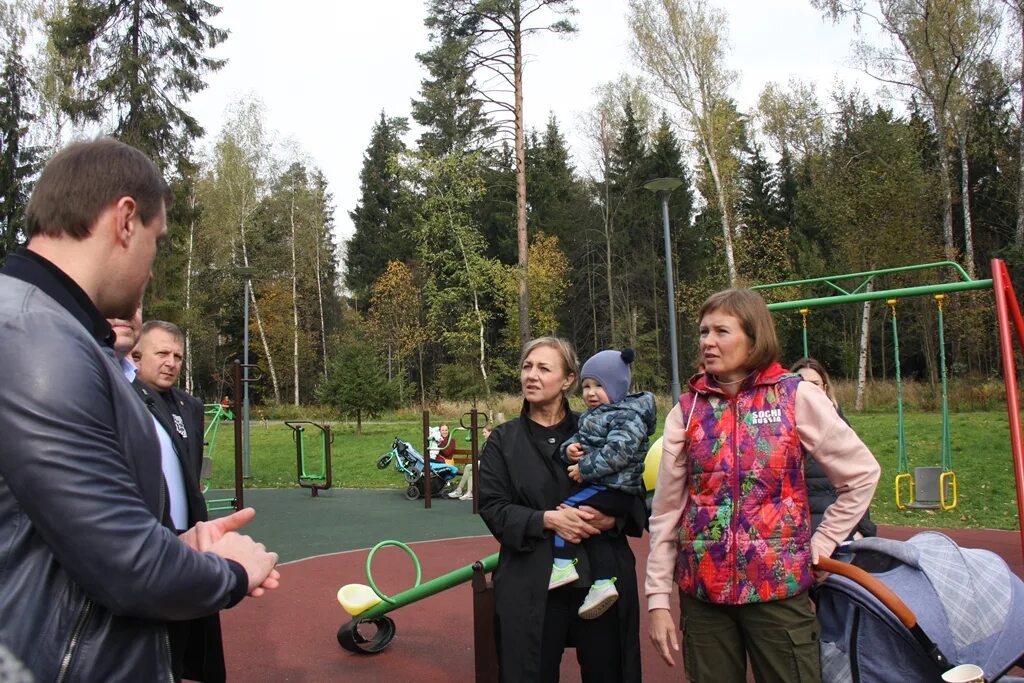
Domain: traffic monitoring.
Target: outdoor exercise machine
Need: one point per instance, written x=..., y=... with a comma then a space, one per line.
x=368, y=606
x=1009, y=321
x=318, y=480
x=217, y=412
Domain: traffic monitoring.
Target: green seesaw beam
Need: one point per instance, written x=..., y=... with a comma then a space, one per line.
x=352, y=640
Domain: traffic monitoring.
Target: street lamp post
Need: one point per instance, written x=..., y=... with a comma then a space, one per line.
x=663, y=188
x=247, y=274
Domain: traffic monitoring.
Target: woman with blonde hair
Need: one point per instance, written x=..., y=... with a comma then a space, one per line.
x=730, y=525
x=522, y=484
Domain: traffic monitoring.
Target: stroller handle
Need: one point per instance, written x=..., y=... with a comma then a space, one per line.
x=892, y=602
x=870, y=583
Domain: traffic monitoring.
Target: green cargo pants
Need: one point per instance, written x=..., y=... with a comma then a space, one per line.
x=780, y=637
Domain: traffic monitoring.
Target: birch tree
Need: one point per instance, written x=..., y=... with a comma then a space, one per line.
x=1016, y=11
x=239, y=176
x=792, y=119
x=682, y=44
x=933, y=48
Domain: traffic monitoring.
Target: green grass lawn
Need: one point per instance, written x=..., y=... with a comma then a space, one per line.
x=981, y=460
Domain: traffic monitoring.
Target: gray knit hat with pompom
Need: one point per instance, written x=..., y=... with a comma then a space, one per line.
x=611, y=369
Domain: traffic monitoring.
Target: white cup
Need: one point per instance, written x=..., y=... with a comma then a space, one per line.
x=965, y=673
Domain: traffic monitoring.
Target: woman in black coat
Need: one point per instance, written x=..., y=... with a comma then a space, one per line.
x=522, y=483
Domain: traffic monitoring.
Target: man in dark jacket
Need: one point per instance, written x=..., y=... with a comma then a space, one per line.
x=197, y=645
x=158, y=357
x=91, y=575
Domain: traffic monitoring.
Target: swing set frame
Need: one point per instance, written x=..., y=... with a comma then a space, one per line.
x=1009, y=320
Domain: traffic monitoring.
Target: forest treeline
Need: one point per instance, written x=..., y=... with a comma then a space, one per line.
x=472, y=232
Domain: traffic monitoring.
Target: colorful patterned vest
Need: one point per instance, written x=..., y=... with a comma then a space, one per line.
x=746, y=529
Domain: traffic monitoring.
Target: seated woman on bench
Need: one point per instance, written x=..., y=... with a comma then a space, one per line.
x=445, y=446
x=464, y=491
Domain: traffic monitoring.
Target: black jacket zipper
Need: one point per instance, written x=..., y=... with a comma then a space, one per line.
x=76, y=634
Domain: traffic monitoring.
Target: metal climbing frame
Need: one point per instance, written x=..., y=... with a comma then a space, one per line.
x=1008, y=318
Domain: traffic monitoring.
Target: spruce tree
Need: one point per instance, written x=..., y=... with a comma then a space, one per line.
x=449, y=109
x=146, y=58
x=19, y=160
x=383, y=214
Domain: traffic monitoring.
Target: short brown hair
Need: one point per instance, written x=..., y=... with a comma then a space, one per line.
x=570, y=361
x=83, y=179
x=750, y=309
x=169, y=328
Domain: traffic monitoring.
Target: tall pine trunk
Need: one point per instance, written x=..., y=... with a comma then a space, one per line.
x=521, y=236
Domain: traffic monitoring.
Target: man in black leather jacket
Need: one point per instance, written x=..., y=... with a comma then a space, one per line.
x=90, y=576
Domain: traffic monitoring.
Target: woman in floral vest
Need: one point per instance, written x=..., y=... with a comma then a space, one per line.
x=731, y=526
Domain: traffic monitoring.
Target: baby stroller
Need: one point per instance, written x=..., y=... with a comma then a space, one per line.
x=925, y=606
x=409, y=462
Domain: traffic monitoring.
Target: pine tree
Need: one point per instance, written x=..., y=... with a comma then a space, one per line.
x=498, y=50
x=993, y=160
x=557, y=197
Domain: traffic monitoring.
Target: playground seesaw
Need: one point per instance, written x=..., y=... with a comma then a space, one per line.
x=368, y=605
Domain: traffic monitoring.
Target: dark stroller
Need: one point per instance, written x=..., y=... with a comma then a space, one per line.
x=409, y=462
x=932, y=605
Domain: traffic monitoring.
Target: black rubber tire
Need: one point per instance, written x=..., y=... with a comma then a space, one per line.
x=384, y=461
x=412, y=492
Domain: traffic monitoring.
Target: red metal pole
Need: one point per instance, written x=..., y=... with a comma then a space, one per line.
x=1004, y=290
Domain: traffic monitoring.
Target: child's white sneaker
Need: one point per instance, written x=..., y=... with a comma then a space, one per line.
x=454, y=494
x=598, y=600
x=562, y=576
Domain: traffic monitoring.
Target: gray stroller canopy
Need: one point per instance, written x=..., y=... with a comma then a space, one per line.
x=967, y=601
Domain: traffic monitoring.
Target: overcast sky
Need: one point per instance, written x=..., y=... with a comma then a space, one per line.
x=325, y=70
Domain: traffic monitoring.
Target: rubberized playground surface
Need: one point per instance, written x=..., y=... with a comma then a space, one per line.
x=290, y=635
